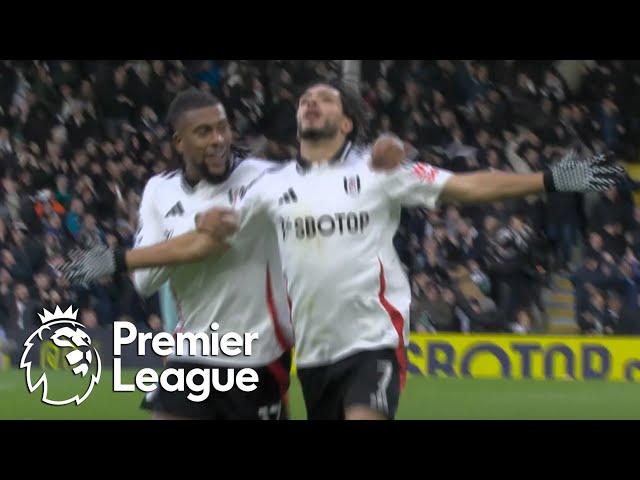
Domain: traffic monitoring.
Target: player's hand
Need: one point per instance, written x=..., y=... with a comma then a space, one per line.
x=389, y=152
x=218, y=222
x=87, y=266
x=585, y=173
x=203, y=245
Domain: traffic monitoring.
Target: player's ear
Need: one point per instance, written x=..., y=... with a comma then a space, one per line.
x=177, y=142
x=347, y=126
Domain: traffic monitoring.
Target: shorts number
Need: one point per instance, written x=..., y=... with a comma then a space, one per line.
x=379, y=399
x=270, y=412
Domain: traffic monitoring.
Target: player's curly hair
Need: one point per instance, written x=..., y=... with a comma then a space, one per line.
x=353, y=107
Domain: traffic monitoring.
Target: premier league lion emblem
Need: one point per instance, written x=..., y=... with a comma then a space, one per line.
x=65, y=333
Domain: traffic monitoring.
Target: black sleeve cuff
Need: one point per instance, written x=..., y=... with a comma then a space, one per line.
x=549, y=185
x=120, y=261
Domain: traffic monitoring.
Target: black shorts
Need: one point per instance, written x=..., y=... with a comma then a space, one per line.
x=370, y=378
x=267, y=402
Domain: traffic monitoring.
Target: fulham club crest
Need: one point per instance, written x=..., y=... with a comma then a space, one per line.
x=352, y=185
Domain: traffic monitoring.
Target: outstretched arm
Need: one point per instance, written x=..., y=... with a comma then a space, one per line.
x=89, y=265
x=491, y=186
x=422, y=184
x=574, y=173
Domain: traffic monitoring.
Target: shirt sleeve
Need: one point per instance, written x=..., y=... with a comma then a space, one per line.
x=416, y=184
x=148, y=281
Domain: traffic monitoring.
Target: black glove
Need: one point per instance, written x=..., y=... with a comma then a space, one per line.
x=86, y=266
x=581, y=174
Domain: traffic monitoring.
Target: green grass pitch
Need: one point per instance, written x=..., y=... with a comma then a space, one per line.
x=424, y=398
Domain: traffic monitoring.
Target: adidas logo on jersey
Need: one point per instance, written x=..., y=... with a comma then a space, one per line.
x=176, y=210
x=288, y=197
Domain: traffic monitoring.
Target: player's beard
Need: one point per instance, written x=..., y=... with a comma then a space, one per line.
x=212, y=177
x=327, y=131
x=200, y=171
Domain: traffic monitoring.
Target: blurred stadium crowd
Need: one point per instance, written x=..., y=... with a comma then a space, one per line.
x=78, y=141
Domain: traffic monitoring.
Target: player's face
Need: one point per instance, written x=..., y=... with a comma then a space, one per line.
x=320, y=115
x=204, y=140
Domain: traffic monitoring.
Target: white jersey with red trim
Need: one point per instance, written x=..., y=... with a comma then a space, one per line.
x=335, y=224
x=242, y=291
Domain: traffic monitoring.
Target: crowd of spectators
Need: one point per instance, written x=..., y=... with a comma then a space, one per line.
x=484, y=268
x=79, y=140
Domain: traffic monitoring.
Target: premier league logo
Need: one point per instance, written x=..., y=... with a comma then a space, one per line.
x=64, y=332
x=426, y=173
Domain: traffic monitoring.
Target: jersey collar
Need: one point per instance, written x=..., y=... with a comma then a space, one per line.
x=304, y=165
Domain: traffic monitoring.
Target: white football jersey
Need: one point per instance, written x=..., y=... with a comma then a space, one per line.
x=335, y=224
x=243, y=290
